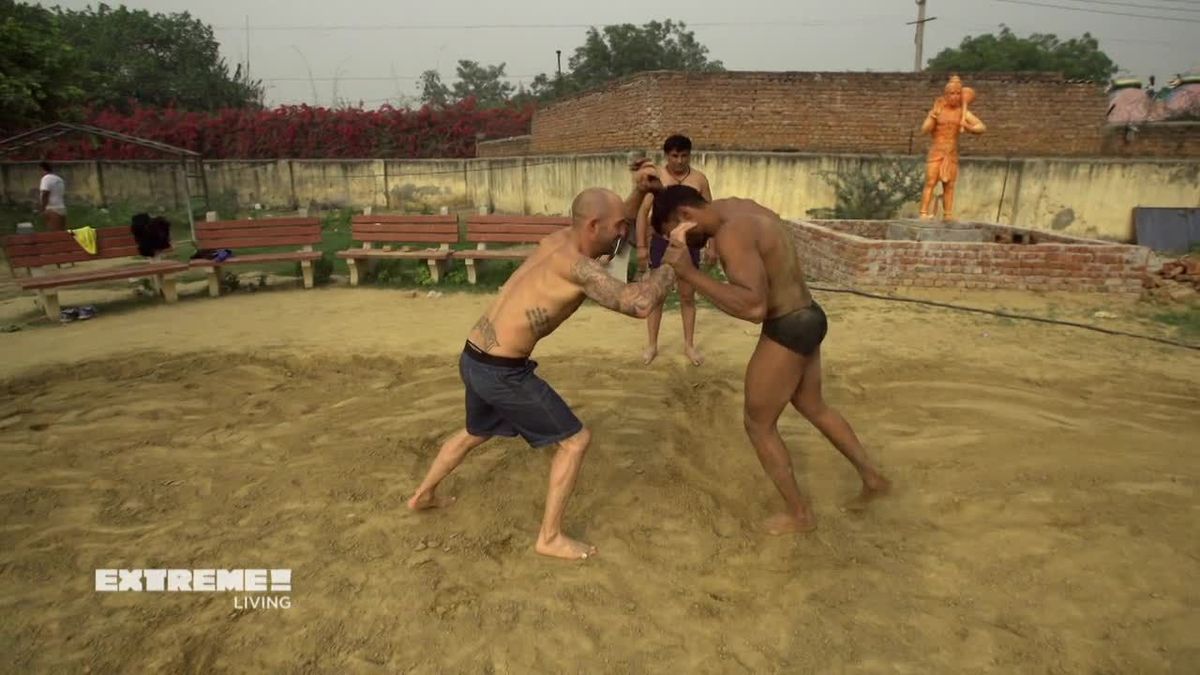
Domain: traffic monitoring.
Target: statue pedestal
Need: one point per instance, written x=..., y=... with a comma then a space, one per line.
x=924, y=230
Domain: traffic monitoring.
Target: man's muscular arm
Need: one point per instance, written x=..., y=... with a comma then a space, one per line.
x=705, y=188
x=745, y=296
x=642, y=234
x=645, y=182
x=636, y=299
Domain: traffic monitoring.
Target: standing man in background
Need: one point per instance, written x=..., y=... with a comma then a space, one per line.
x=51, y=202
x=677, y=150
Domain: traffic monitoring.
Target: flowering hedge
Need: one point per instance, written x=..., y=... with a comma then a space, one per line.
x=298, y=132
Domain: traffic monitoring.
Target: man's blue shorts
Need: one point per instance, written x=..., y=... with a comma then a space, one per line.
x=506, y=398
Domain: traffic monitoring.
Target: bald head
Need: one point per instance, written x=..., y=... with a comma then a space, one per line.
x=594, y=204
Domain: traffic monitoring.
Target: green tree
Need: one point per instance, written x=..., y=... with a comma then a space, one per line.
x=39, y=71
x=433, y=91
x=485, y=83
x=1077, y=58
x=624, y=49
x=154, y=59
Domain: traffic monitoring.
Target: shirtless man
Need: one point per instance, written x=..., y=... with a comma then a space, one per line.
x=678, y=152
x=503, y=395
x=766, y=285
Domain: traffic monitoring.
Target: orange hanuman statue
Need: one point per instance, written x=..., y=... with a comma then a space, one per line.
x=948, y=118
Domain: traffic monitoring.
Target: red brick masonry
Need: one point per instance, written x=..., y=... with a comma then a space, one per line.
x=854, y=253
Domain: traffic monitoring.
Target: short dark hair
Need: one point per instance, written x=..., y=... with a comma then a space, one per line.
x=46, y=166
x=678, y=142
x=669, y=200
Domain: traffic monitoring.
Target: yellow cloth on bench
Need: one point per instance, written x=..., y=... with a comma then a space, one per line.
x=86, y=237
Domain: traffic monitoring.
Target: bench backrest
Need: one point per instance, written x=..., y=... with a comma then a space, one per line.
x=264, y=233
x=513, y=229
x=51, y=248
x=405, y=229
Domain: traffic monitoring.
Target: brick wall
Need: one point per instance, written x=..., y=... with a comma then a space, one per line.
x=624, y=114
x=828, y=255
x=514, y=146
x=868, y=229
x=1084, y=265
x=1027, y=114
x=1159, y=139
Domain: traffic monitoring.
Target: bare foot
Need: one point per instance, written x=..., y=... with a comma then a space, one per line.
x=565, y=547
x=648, y=355
x=427, y=500
x=786, y=523
x=694, y=355
x=874, y=487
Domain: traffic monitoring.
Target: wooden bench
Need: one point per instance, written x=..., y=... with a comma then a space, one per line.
x=524, y=231
x=401, y=229
x=250, y=234
x=40, y=252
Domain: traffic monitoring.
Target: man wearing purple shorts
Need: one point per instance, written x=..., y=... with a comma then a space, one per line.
x=678, y=152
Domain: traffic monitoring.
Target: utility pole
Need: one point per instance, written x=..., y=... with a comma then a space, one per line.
x=247, y=48
x=920, y=38
x=558, y=79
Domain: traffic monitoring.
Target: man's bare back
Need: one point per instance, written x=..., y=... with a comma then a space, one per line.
x=775, y=246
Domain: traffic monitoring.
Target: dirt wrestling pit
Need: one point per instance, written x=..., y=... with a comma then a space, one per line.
x=1045, y=516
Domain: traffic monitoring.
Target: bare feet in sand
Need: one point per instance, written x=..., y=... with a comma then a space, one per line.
x=648, y=355
x=693, y=355
x=787, y=523
x=564, y=547
x=427, y=500
x=874, y=487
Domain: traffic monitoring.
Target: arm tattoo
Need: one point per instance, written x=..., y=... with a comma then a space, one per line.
x=631, y=299
x=488, y=331
x=539, y=321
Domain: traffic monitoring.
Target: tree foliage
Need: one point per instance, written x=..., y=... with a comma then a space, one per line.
x=486, y=84
x=54, y=60
x=624, y=49
x=1077, y=58
x=154, y=59
x=39, y=70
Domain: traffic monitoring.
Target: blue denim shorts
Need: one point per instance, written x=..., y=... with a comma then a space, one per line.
x=505, y=398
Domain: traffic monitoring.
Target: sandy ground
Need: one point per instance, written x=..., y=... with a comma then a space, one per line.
x=1046, y=516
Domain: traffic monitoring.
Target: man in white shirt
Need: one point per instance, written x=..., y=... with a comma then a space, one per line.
x=53, y=206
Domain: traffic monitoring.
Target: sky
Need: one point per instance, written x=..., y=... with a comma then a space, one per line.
x=372, y=51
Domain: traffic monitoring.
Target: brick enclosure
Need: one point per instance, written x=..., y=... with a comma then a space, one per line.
x=853, y=253
x=1027, y=114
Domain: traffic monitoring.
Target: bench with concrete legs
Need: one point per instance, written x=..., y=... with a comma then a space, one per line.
x=304, y=233
x=519, y=234
x=391, y=230
x=42, y=253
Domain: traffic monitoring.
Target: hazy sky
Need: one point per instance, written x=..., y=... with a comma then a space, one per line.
x=373, y=50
